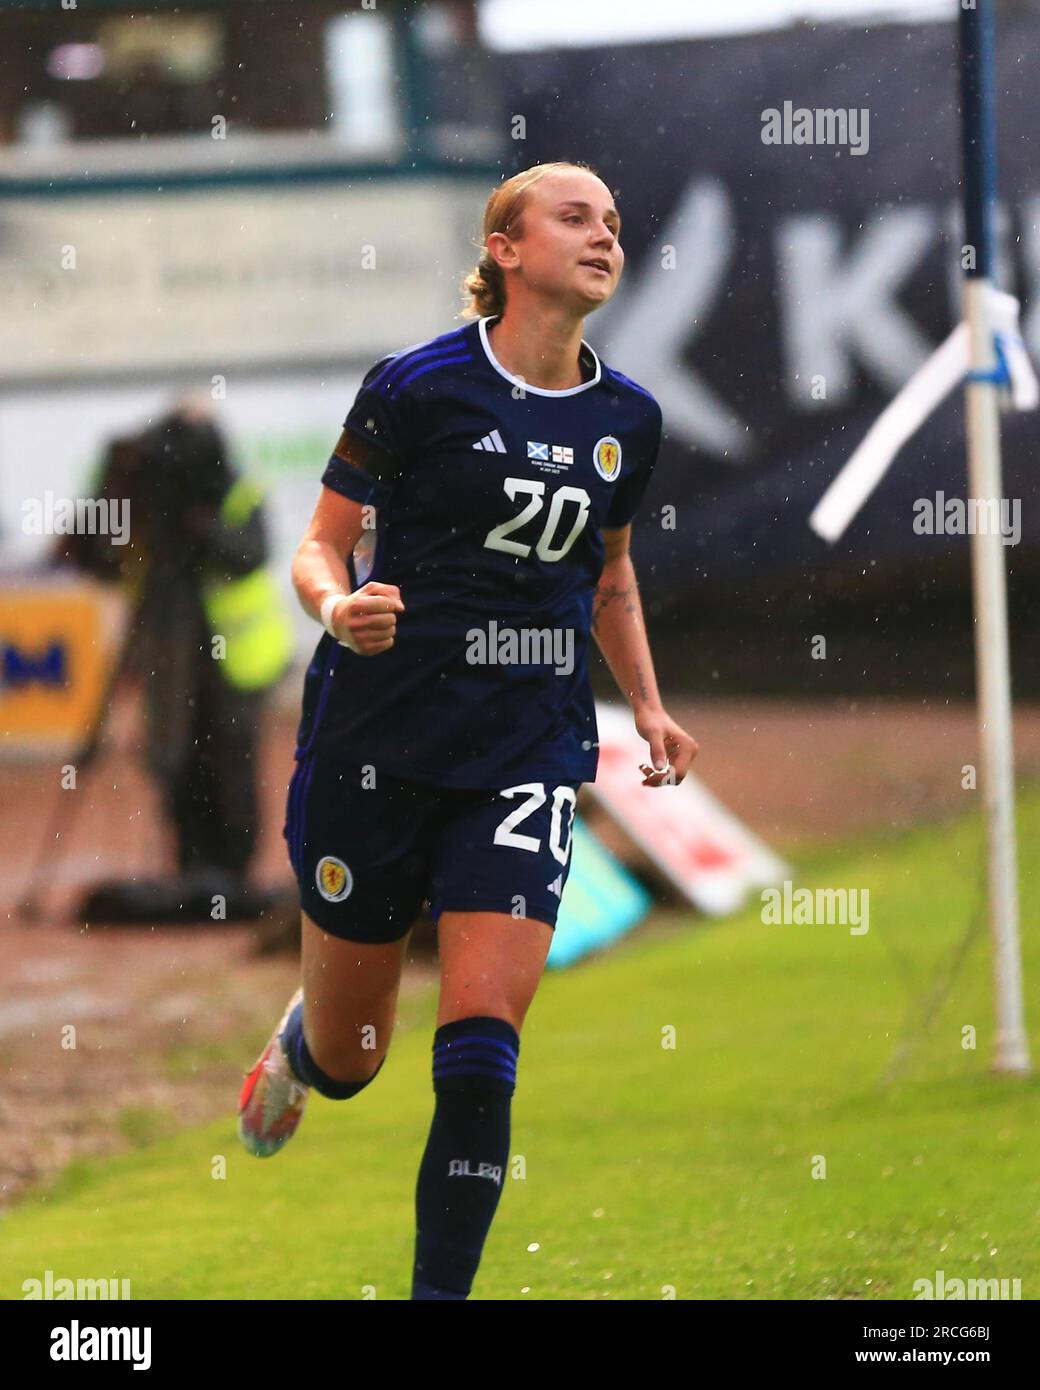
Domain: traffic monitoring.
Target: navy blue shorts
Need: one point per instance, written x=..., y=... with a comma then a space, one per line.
x=369, y=850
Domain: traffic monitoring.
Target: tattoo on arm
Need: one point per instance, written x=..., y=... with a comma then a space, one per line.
x=644, y=694
x=608, y=594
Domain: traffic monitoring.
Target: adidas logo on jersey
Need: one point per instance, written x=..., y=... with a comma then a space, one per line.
x=556, y=886
x=492, y=443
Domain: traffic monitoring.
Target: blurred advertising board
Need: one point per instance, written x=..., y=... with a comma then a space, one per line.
x=226, y=278
x=790, y=218
x=54, y=649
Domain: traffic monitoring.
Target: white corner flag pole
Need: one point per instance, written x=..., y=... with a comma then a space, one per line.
x=986, y=352
x=988, y=372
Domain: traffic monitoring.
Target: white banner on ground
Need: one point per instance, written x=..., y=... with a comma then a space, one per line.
x=705, y=851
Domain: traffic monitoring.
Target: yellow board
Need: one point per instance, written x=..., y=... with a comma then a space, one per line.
x=54, y=655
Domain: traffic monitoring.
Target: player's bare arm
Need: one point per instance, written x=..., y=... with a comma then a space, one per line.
x=367, y=618
x=619, y=629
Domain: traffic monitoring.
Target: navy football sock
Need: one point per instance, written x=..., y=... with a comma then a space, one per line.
x=298, y=1055
x=463, y=1168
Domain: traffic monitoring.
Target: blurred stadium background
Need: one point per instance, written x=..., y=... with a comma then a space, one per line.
x=222, y=173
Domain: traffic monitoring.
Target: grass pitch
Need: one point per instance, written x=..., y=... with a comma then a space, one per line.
x=639, y=1170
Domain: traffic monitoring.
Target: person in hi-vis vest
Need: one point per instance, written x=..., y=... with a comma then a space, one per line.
x=211, y=633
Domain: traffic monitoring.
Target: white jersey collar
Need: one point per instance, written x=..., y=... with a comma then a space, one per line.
x=482, y=326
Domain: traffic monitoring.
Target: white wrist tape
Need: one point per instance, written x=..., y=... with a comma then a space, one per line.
x=328, y=603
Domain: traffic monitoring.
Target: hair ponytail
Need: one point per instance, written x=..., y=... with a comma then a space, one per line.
x=484, y=288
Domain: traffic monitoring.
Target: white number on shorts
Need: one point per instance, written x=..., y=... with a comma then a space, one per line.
x=534, y=488
x=506, y=833
x=562, y=796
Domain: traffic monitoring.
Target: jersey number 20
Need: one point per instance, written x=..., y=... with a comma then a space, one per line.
x=534, y=490
x=508, y=835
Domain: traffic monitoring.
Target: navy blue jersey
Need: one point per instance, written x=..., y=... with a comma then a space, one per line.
x=489, y=505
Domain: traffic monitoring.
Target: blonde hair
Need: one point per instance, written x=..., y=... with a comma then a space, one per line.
x=483, y=289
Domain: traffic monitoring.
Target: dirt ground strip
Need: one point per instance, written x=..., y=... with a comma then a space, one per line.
x=158, y=1014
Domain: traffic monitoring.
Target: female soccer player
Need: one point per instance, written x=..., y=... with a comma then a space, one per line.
x=447, y=716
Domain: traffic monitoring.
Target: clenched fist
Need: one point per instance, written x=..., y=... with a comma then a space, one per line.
x=366, y=620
